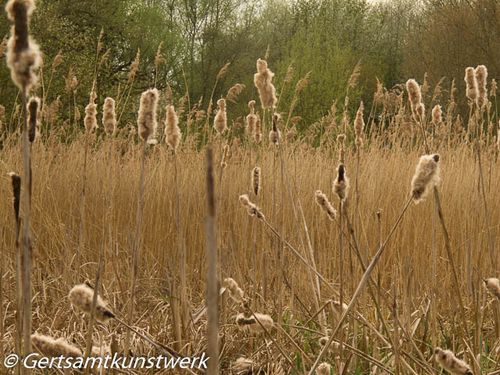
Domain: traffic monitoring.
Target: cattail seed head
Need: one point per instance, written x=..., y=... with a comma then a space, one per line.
x=420, y=112
x=341, y=183
x=426, y=177
x=109, y=116
x=324, y=369
x=235, y=291
x=252, y=209
x=134, y=67
x=258, y=131
x=481, y=73
x=243, y=366
x=493, y=88
x=146, y=120
x=16, y=193
x=33, y=118
x=414, y=93
x=251, y=119
x=359, y=125
x=172, y=131
x=447, y=360
x=324, y=203
x=437, y=115
x=275, y=134
x=263, y=82
x=90, y=120
x=51, y=347
x=81, y=297
x=249, y=322
x=256, y=183
x=23, y=54
x=471, y=84
x=493, y=286
x=220, y=120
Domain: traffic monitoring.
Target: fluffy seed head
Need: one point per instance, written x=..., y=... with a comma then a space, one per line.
x=493, y=286
x=275, y=134
x=257, y=136
x=33, y=118
x=172, y=131
x=341, y=183
x=324, y=369
x=109, y=116
x=243, y=366
x=146, y=120
x=481, y=73
x=251, y=119
x=359, y=125
x=252, y=209
x=81, y=297
x=251, y=322
x=426, y=177
x=256, y=180
x=51, y=347
x=437, y=115
x=447, y=360
x=90, y=120
x=235, y=291
x=23, y=53
x=471, y=84
x=263, y=82
x=220, y=120
x=414, y=92
x=324, y=203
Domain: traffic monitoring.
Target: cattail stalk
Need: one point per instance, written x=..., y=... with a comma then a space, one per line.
x=212, y=288
x=361, y=286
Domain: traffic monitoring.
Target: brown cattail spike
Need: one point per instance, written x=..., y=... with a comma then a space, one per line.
x=341, y=184
x=33, y=118
x=275, y=134
x=16, y=193
x=256, y=183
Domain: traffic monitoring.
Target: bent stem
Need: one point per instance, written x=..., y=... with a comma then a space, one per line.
x=361, y=286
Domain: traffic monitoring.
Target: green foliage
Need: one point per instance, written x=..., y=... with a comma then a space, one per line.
x=391, y=40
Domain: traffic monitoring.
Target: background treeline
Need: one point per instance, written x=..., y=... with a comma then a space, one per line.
x=391, y=41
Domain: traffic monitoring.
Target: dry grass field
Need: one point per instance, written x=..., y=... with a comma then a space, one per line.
x=377, y=288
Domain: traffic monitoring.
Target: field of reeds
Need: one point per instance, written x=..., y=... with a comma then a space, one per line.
x=366, y=244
